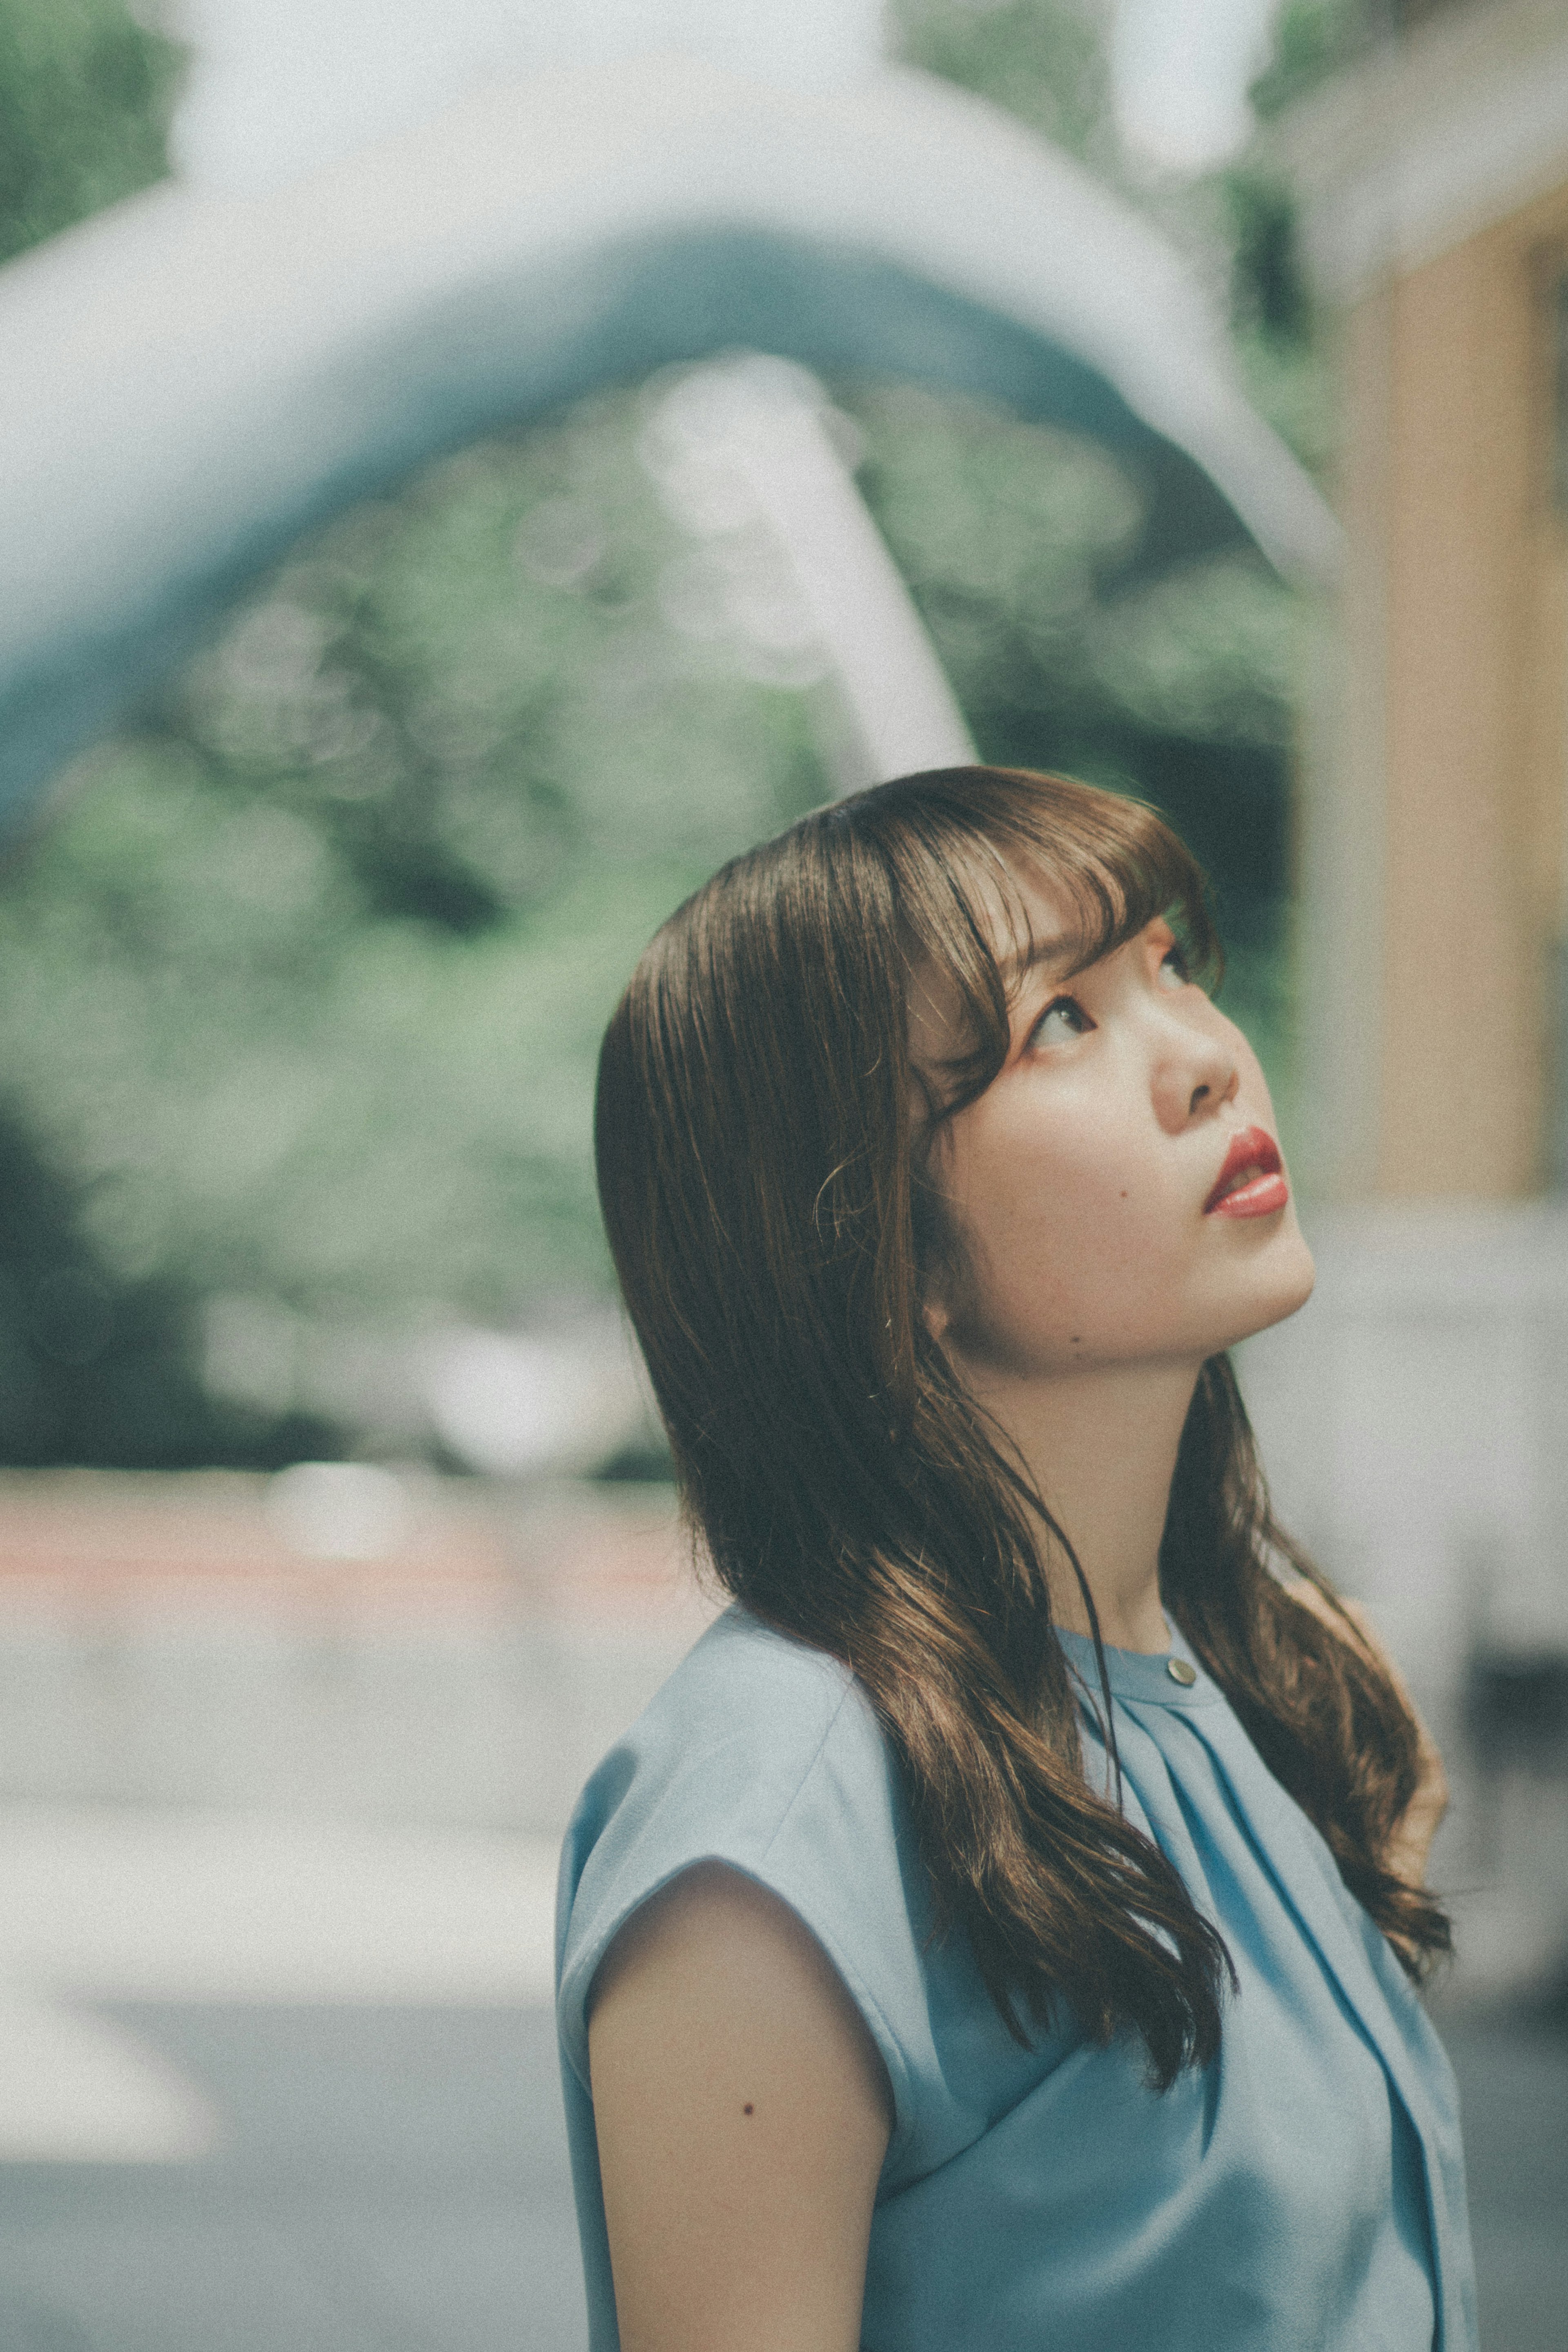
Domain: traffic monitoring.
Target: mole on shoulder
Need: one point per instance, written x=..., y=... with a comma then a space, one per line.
x=748, y=2109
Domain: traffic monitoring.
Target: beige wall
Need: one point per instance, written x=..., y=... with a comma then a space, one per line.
x=1447, y=889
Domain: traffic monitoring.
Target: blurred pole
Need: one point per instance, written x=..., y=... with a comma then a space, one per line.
x=1556, y=1122
x=753, y=440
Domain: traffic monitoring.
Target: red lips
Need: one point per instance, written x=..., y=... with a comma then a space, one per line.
x=1252, y=1184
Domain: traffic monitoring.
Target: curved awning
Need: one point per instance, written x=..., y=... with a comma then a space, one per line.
x=195, y=377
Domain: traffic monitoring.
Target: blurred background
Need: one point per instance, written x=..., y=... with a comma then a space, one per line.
x=465, y=470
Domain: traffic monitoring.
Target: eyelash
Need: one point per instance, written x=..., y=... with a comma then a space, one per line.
x=1062, y=1004
x=1174, y=958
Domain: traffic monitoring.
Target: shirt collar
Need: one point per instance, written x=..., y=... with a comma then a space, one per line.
x=1139, y=1675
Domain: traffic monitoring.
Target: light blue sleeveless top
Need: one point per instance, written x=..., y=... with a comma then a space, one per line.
x=1303, y=2193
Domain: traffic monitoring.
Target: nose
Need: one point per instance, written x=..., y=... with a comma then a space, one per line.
x=1195, y=1074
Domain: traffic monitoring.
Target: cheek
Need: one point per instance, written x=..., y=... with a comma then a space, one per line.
x=1090, y=1169
x=1071, y=1224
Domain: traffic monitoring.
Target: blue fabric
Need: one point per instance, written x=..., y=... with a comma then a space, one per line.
x=1304, y=2193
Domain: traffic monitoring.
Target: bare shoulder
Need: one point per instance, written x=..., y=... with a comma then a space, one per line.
x=742, y=2113
x=717, y=1980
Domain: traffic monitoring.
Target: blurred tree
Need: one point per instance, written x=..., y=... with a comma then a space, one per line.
x=94, y=1368
x=300, y=988
x=1268, y=295
x=1015, y=540
x=307, y=979
x=91, y=1368
x=85, y=98
x=1282, y=362
x=1043, y=60
x=1310, y=39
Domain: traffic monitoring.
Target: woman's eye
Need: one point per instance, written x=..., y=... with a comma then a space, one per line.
x=1174, y=962
x=1062, y=1017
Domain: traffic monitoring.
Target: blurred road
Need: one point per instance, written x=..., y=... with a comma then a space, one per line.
x=279, y=1828
x=277, y=1843
x=388, y=2181
x=394, y=2180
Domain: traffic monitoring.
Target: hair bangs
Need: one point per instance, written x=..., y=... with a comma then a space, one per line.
x=961, y=842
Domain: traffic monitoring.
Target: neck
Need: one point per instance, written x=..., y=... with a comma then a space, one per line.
x=1100, y=1448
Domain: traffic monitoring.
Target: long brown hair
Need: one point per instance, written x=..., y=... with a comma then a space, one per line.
x=761, y=1135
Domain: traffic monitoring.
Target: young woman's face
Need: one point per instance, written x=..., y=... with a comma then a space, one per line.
x=1117, y=1193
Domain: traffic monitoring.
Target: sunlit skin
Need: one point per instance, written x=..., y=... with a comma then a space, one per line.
x=742, y=2114
x=1096, y=1270
x=741, y=2107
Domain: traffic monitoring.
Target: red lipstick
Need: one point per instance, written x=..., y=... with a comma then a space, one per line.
x=1252, y=1184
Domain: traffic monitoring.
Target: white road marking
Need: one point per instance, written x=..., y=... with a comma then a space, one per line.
x=79, y=2089
x=175, y=1907
x=103, y=1905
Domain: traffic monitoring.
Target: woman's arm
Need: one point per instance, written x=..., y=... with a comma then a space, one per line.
x=742, y=2113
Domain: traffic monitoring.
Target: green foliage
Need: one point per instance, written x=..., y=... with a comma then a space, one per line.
x=264, y=1092
x=1289, y=382
x=1041, y=60
x=306, y=980
x=1282, y=367
x=1045, y=62
x=469, y=689
x=85, y=94
x=1268, y=295
x=97, y=1369
x=1311, y=38
x=301, y=983
x=1015, y=540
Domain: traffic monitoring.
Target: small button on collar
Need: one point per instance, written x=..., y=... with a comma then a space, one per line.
x=1180, y=1672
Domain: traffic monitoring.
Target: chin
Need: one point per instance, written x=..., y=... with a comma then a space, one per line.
x=1281, y=1284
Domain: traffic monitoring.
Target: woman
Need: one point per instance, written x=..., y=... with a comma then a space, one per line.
x=998, y=1931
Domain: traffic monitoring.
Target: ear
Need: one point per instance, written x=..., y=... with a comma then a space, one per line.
x=936, y=1315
